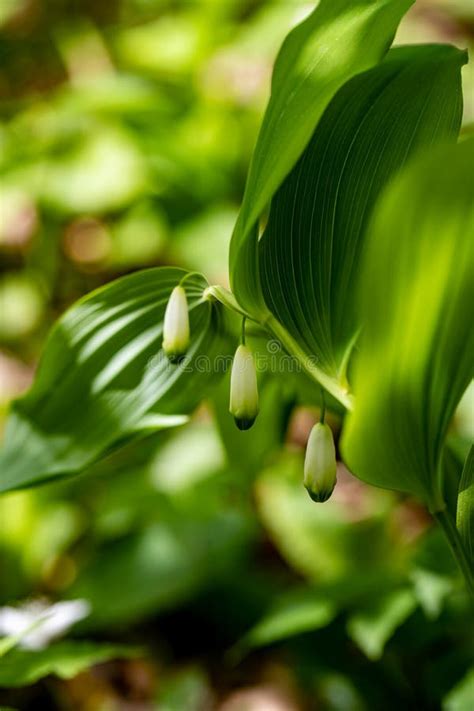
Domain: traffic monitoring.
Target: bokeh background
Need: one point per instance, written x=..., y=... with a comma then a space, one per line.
x=126, y=130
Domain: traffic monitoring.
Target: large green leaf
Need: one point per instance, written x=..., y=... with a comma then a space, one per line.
x=416, y=293
x=311, y=249
x=337, y=41
x=103, y=377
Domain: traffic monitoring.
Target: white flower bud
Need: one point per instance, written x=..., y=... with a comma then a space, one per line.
x=320, y=463
x=243, y=389
x=176, y=325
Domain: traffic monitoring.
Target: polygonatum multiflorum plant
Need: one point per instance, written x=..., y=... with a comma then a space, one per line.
x=352, y=250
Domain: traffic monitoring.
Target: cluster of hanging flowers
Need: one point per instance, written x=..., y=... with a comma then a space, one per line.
x=320, y=459
x=320, y=466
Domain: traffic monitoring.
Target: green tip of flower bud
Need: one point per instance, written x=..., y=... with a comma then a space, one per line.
x=244, y=424
x=176, y=358
x=319, y=497
x=320, y=466
x=176, y=326
x=243, y=389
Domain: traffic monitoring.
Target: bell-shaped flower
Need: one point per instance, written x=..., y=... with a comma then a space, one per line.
x=176, y=325
x=320, y=463
x=243, y=389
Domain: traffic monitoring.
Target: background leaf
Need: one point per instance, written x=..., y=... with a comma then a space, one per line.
x=338, y=40
x=311, y=249
x=460, y=698
x=294, y=613
x=372, y=628
x=416, y=291
x=160, y=567
x=64, y=659
x=104, y=379
x=164, y=530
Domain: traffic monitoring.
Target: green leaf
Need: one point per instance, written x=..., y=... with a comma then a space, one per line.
x=64, y=659
x=164, y=523
x=103, y=172
x=431, y=590
x=192, y=454
x=337, y=41
x=416, y=296
x=372, y=628
x=296, y=612
x=462, y=696
x=104, y=379
x=158, y=568
x=311, y=250
x=465, y=508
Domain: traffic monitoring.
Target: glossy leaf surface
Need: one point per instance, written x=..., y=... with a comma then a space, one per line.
x=311, y=250
x=104, y=379
x=416, y=293
x=339, y=39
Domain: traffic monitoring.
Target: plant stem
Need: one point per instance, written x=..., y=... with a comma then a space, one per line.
x=270, y=323
x=226, y=298
x=452, y=534
x=323, y=407
x=292, y=347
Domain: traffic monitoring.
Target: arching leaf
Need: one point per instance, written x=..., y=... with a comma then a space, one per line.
x=465, y=509
x=103, y=377
x=65, y=659
x=339, y=39
x=416, y=291
x=311, y=249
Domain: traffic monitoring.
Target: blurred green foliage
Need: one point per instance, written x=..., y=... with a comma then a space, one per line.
x=126, y=132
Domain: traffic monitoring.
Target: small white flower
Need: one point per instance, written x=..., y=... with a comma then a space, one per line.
x=176, y=325
x=36, y=623
x=320, y=463
x=243, y=389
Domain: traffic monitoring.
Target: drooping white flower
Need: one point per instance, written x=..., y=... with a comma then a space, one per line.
x=176, y=325
x=320, y=463
x=243, y=389
x=35, y=624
